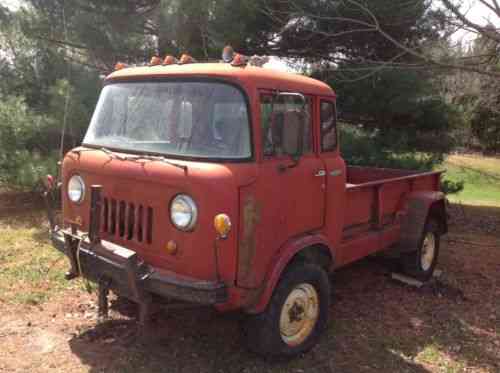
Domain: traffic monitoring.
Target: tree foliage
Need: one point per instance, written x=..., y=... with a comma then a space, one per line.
x=375, y=53
x=24, y=157
x=340, y=31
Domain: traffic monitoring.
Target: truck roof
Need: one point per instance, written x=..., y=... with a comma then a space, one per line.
x=263, y=78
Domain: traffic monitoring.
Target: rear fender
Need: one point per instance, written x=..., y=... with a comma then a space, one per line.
x=281, y=260
x=419, y=206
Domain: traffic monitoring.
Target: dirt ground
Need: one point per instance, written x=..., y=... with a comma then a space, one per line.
x=376, y=324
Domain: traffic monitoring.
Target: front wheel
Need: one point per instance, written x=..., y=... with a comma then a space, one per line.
x=296, y=315
x=422, y=262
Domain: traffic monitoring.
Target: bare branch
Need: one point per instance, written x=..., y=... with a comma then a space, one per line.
x=476, y=64
x=497, y=5
x=494, y=9
x=483, y=30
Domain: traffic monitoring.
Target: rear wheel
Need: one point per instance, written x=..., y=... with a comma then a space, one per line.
x=296, y=315
x=422, y=262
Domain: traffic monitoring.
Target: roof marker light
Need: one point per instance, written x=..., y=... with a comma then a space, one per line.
x=228, y=54
x=170, y=60
x=239, y=60
x=186, y=59
x=155, y=61
x=120, y=66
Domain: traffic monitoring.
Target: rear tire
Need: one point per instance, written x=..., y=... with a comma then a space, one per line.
x=296, y=315
x=421, y=263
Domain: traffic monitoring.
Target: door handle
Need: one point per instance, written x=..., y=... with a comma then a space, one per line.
x=320, y=173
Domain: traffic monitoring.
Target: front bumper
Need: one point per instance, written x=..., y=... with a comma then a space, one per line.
x=128, y=276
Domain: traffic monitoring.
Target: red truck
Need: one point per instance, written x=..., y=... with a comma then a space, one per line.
x=223, y=184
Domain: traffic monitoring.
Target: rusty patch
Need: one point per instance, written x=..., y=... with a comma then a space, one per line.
x=251, y=217
x=77, y=221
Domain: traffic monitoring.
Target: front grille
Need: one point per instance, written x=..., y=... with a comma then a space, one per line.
x=127, y=221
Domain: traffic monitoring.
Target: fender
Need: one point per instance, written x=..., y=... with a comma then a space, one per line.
x=418, y=207
x=280, y=261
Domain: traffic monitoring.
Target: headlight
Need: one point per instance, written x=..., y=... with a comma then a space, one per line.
x=76, y=189
x=183, y=212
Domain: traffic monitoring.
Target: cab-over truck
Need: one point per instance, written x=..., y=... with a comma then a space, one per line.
x=223, y=184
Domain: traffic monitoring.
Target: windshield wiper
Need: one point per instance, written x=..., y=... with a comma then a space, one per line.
x=138, y=158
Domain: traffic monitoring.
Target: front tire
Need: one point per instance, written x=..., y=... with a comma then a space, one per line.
x=296, y=315
x=421, y=263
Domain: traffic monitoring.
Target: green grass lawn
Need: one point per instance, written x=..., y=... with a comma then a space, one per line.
x=481, y=176
x=31, y=270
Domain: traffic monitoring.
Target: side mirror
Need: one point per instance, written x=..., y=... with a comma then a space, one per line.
x=293, y=125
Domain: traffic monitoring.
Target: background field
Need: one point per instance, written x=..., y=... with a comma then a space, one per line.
x=481, y=177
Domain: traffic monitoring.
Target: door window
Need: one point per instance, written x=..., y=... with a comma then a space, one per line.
x=328, y=127
x=275, y=115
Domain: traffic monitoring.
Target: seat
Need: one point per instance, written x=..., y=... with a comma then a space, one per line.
x=292, y=129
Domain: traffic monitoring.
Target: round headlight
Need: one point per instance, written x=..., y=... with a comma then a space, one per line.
x=183, y=212
x=76, y=189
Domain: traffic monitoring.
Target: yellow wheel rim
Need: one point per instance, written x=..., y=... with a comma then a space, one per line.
x=428, y=251
x=299, y=314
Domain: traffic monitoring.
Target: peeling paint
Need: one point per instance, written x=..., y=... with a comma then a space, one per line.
x=248, y=242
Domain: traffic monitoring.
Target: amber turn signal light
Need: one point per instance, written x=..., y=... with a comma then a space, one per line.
x=172, y=247
x=155, y=61
x=239, y=60
x=170, y=60
x=120, y=66
x=185, y=59
x=222, y=225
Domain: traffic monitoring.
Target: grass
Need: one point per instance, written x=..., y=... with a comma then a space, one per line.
x=481, y=176
x=31, y=270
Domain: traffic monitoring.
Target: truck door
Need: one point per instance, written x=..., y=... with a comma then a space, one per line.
x=335, y=169
x=289, y=194
x=300, y=183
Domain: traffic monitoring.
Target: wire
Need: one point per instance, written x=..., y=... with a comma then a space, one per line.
x=68, y=89
x=88, y=287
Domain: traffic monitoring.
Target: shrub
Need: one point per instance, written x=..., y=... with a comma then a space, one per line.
x=23, y=156
x=452, y=187
x=27, y=169
x=376, y=149
x=383, y=149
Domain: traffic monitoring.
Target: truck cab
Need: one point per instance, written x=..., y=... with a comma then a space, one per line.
x=223, y=184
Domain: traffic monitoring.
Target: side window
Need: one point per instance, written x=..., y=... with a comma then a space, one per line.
x=273, y=119
x=266, y=108
x=328, y=127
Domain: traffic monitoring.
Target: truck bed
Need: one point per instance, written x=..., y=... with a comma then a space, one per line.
x=375, y=199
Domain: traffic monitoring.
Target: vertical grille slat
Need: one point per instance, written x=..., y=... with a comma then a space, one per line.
x=127, y=221
x=112, y=217
x=130, y=222
x=121, y=219
x=149, y=226
x=104, y=217
x=141, y=224
x=136, y=225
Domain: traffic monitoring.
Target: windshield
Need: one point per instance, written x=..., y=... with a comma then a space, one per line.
x=181, y=118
